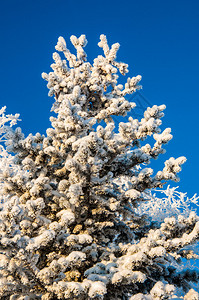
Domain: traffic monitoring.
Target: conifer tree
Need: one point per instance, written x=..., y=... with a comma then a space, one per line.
x=70, y=227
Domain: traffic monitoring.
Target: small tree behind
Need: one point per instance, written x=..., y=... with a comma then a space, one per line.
x=69, y=227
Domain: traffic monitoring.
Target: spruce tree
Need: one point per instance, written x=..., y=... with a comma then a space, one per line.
x=70, y=227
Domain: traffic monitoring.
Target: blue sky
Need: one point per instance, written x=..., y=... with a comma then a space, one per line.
x=159, y=40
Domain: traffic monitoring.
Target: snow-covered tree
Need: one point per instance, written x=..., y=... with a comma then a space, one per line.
x=70, y=224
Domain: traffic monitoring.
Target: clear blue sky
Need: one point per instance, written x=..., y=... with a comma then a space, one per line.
x=159, y=40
